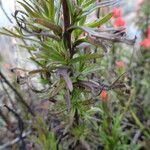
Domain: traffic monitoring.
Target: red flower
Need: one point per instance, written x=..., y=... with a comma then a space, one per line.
x=117, y=12
x=145, y=43
x=120, y=64
x=104, y=95
x=140, y=2
x=120, y=22
x=62, y=17
x=7, y=66
x=148, y=33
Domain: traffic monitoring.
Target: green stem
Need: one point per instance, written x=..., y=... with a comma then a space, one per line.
x=138, y=122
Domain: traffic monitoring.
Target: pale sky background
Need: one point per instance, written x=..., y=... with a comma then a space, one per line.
x=9, y=7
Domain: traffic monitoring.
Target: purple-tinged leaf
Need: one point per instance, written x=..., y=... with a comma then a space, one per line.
x=93, y=86
x=115, y=36
x=64, y=73
x=68, y=100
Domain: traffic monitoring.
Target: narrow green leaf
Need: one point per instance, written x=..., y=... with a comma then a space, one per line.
x=51, y=10
x=95, y=6
x=46, y=23
x=29, y=10
x=70, y=6
x=57, y=15
x=9, y=33
x=85, y=58
x=79, y=41
x=30, y=48
x=13, y=34
x=100, y=22
x=37, y=71
x=92, y=69
x=87, y=3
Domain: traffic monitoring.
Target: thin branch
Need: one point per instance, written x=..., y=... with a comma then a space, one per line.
x=17, y=93
x=4, y=117
x=20, y=126
x=4, y=146
x=22, y=25
x=9, y=97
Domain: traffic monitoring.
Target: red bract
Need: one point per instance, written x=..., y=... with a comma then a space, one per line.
x=120, y=22
x=120, y=64
x=104, y=95
x=7, y=66
x=145, y=43
x=117, y=12
x=140, y=2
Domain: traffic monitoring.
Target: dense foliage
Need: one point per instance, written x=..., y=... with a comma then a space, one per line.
x=88, y=98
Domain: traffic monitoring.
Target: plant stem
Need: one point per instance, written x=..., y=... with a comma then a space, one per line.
x=138, y=122
x=67, y=35
x=76, y=117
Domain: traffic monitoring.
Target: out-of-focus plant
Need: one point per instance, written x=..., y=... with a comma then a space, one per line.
x=45, y=139
x=143, y=74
